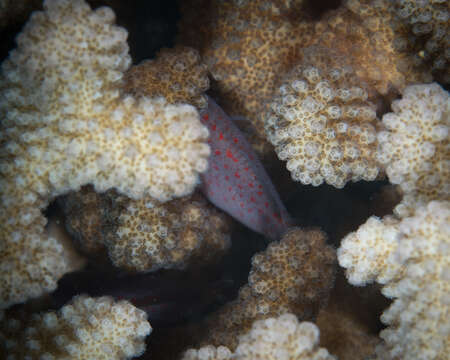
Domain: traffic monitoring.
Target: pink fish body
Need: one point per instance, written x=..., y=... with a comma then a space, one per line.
x=236, y=181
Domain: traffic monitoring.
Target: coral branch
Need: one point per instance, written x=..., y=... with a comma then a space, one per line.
x=86, y=328
x=292, y=275
x=64, y=124
x=411, y=257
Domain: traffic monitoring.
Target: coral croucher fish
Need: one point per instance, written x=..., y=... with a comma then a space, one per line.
x=236, y=180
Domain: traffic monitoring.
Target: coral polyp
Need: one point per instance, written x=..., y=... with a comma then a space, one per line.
x=252, y=179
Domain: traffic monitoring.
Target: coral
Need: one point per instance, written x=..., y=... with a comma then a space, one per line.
x=246, y=45
x=428, y=22
x=126, y=146
x=145, y=234
x=322, y=123
x=30, y=265
x=148, y=235
x=86, y=328
x=344, y=336
x=84, y=218
x=292, y=275
x=411, y=258
x=415, y=147
x=208, y=352
x=349, y=323
x=370, y=36
x=177, y=74
x=280, y=338
x=55, y=229
x=235, y=181
x=375, y=240
x=64, y=124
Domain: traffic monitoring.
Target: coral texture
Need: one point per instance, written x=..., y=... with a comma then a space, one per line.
x=411, y=257
x=344, y=325
x=380, y=236
x=64, y=124
x=121, y=149
x=345, y=337
x=292, y=275
x=275, y=338
x=246, y=45
x=145, y=234
x=371, y=37
x=235, y=181
x=86, y=328
x=84, y=218
x=415, y=147
x=208, y=352
x=322, y=123
x=282, y=338
x=429, y=26
x=177, y=74
x=148, y=235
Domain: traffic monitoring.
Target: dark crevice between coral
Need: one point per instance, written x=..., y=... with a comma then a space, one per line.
x=151, y=25
x=316, y=9
x=335, y=211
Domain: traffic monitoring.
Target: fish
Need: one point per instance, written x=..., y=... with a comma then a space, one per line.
x=236, y=181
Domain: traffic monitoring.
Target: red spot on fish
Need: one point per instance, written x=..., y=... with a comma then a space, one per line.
x=277, y=216
x=225, y=166
x=240, y=195
x=242, y=205
x=260, y=186
x=213, y=127
x=206, y=117
x=216, y=167
x=227, y=177
x=252, y=199
x=230, y=188
x=235, y=140
x=233, y=198
x=250, y=184
x=218, y=152
x=235, y=160
x=229, y=153
x=246, y=169
x=220, y=136
x=266, y=204
x=260, y=193
x=240, y=186
x=236, y=174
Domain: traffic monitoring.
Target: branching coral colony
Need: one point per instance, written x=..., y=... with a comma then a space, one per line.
x=73, y=112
